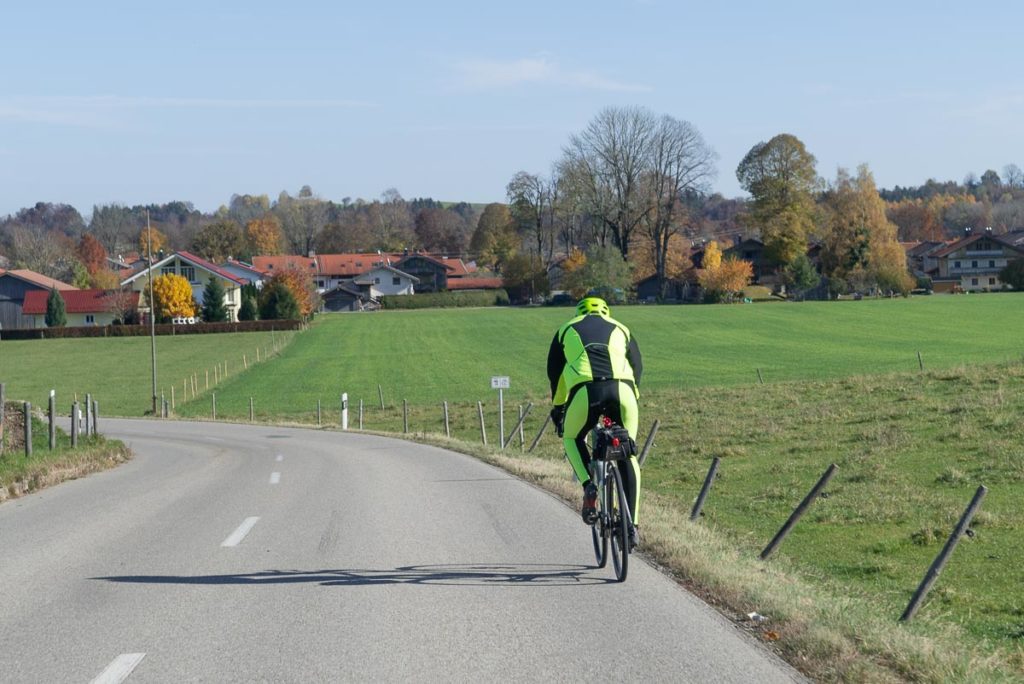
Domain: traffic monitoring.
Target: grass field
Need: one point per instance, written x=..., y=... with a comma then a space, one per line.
x=429, y=356
x=117, y=371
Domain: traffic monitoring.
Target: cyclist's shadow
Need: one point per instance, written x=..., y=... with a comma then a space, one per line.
x=533, y=575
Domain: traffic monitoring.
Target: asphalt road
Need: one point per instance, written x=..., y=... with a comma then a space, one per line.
x=233, y=553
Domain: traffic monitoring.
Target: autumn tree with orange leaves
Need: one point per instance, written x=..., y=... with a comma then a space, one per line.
x=91, y=253
x=722, y=279
x=173, y=297
x=159, y=241
x=264, y=236
x=301, y=285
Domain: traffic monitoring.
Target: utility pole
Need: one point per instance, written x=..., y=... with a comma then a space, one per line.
x=152, y=307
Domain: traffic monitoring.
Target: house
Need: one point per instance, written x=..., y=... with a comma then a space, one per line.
x=198, y=272
x=347, y=297
x=921, y=259
x=676, y=290
x=385, y=280
x=83, y=307
x=432, y=272
x=14, y=285
x=244, y=271
x=752, y=250
x=973, y=262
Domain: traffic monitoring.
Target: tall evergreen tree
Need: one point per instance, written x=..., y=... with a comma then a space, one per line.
x=278, y=302
x=56, y=312
x=214, y=310
x=247, y=311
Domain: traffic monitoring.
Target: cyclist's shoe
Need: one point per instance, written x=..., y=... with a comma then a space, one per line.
x=634, y=537
x=590, y=503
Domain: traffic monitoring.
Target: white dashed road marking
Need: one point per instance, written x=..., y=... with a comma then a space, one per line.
x=280, y=457
x=119, y=670
x=275, y=478
x=239, y=534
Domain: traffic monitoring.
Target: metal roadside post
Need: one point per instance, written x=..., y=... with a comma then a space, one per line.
x=501, y=383
x=95, y=416
x=74, y=425
x=344, y=410
x=88, y=414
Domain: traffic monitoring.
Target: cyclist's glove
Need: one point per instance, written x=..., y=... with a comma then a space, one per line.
x=558, y=418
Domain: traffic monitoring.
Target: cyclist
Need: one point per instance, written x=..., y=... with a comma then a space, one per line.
x=594, y=367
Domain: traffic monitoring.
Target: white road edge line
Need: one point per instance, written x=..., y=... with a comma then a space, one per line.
x=280, y=457
x=239, y=534
x=119, y=670
x=275, y=477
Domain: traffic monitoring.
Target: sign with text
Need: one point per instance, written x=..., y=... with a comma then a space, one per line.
x=500, y=382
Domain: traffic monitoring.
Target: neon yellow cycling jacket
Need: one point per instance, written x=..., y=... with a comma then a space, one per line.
x=591, y=348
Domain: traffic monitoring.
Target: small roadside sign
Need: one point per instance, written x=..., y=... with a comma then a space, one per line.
x=500, y=382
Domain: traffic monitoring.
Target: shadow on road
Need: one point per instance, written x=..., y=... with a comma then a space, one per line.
x=448, y=575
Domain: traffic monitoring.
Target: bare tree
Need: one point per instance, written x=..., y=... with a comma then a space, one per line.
x=606, y=165
x=302, y=218
x=1013, y=176
x=532, y=199
x=681, y=166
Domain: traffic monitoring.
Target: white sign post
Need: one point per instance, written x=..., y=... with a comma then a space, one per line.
x=344, y=411
x=501, y=383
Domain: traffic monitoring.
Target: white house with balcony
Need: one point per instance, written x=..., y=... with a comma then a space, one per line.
x=385, y=280
x=198, y=272
x=973, y=263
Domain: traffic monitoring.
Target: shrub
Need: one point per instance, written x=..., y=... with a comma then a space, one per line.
x=440, y=300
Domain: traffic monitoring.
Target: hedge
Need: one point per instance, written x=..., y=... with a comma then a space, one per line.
x=431, y=300
x=143, y=330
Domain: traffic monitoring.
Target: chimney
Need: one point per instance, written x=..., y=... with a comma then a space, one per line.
x=312, y=253
x=968, y=230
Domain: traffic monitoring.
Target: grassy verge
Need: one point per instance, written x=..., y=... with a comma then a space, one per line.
x=20, y=475
x=118, y=371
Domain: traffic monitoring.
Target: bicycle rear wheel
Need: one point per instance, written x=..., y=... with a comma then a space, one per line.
x=599, y=530
x=619, y=527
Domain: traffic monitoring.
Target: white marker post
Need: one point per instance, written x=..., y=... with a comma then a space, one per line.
x=344, y=411
x=501, y=383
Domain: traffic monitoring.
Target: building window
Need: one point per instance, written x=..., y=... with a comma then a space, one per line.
x=991, y=281
x=974, y=264
x=90, y=319
x=396, y=281
x=376, y=281
x=167, y=270
x=189, y=273
x=956, y=264
x=991, y=263
x=974, y=281
x=320, y=283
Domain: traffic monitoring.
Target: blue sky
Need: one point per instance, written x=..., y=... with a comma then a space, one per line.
x=125, y=102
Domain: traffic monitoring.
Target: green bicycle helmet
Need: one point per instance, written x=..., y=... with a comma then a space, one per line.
x=592, y=305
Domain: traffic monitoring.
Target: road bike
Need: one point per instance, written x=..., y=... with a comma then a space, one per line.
x=612, y=444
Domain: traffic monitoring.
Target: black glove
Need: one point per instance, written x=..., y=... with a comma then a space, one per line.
x=558, y=418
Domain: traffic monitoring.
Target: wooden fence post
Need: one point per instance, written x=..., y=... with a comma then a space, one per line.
x=649, y=442
x=88, y=413
x=3, y=398
x=380, y=393
x=483, y=429
x=522, y=417
x=360, y=414
x=947, y=551
x=699, y=504
x=799, y=512
x=318, y=413
x=920, y=361
x=405, y=416
x=540, y=434
x=74, y=425
x=759, y=378
x=447, y=428
x=28, y=428
x=215, y=406
x=95, y=416
x=173, y=403
x=52, y=414
x=522, y=440
x=252, y=415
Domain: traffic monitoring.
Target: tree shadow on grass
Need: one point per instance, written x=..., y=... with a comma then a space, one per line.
x=533, y=575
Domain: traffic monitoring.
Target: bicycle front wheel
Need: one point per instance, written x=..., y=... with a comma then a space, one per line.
x=619, y=528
